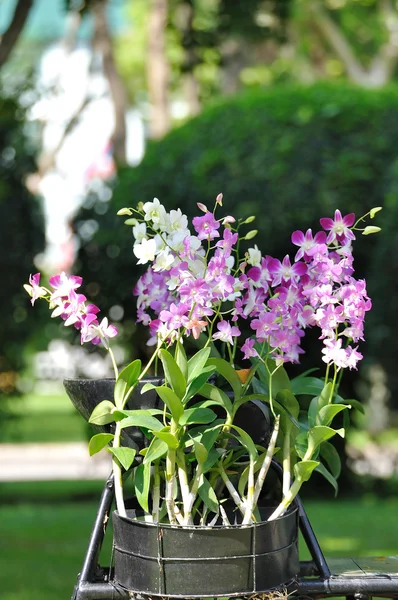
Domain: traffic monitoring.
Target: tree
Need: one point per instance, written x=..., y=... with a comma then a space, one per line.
x=11, y=36
x=22, y=237
x=357, y=39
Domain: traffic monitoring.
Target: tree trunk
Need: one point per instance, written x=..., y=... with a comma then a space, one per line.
x=158, y=69
x=103, y=44
x=11, y=35
x=382, y=67
x=184, y=22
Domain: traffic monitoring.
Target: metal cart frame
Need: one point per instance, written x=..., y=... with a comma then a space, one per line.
x=354, y=579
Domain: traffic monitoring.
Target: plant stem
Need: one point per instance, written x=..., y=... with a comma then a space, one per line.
x=156, y=493
x=113, y=362
x=286, y=502
x=266, y=462
x=117, y=471
x=250, y=494
x=333, y=385
x=286, y=461
x=170, y=478
x=192, y=494
x=234, y=494
x=183, y=480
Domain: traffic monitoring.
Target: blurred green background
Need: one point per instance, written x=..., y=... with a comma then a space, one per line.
x=287, y=107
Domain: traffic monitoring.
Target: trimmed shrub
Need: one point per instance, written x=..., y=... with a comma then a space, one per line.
x=289, y=155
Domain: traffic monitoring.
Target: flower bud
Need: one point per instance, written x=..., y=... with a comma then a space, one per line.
x=249, y=220
x=228, y=219
x=374, y=211
x=202, y=207
x=251, y=234
x=219, y=199
x=124, y=211
x=370, y=229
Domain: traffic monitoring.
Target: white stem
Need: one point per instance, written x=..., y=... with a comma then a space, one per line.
x=286, y=463
x=117, y=474
x=266, y=462
x=286, y=502
x=192, y=495
x=156, y=494
x=250, y=495
x=234, y=494
x=213, y=521
x=183, y=481
x=178, y=515
x=224, y=516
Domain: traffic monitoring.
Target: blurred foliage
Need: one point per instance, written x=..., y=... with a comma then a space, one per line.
x=22, y=237
x=290, y=156
x=232, y=45
x=202, y=44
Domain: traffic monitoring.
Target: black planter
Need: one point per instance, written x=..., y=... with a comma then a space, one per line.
x=196, y=561
x=85, y=394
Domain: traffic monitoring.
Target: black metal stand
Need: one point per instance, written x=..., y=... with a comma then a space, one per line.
x=355, y=579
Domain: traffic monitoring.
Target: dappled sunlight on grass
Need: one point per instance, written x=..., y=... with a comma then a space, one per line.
x=339, y=544
x=44, y=418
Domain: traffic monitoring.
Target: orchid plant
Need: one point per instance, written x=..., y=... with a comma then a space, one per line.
x=199, y=287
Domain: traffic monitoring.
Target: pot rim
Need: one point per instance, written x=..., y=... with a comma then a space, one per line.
x=292, y=509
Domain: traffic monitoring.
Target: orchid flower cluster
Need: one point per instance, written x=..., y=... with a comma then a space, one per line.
x=72, y=307
x=198, y=284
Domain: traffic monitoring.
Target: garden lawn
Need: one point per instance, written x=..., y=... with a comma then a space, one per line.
x=43, y=541
x=44, y=418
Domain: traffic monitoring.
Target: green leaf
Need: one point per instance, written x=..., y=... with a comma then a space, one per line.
x=157, y=449
x=207, y=435
x=102, y=413
x=142, y=479
x=291, y=409
x=126, y=381
x=212, y=458
x=172, y=401
x=208, y=495
x=201, y=453
x=141, y=418
x=303, y=469
x=217, y=396
x=319, y=402
x=147, y=387
x=98, y=442
x=124, y=455
x=309, y=386
x=280, y=378
x=224, y=368
x=353, y=403
x=328, y=476
x=197, y=363
x=246, y=441
x=330, y=455
x=173, y=373
x=171, y=440
x=327, y=413
x=197, y=415
x=301, y=444
x=319, y=434
x=197, y=383
x=181, y=359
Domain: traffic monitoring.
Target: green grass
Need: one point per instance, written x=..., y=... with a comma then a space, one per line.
x=44, y=418
x=43, y=539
